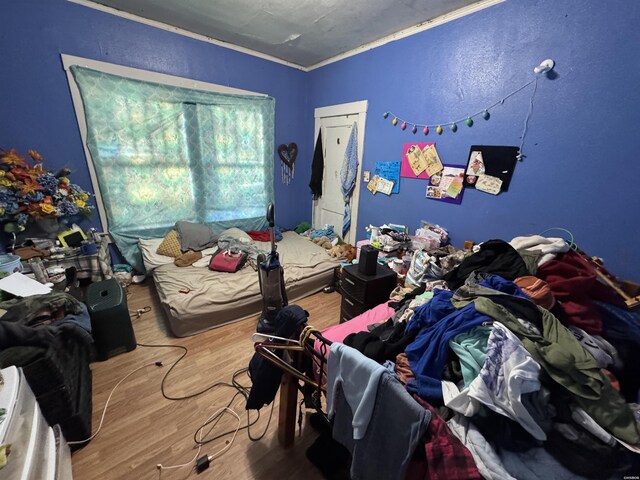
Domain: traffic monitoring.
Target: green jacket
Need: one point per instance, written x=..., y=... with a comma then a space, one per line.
x=562, y=356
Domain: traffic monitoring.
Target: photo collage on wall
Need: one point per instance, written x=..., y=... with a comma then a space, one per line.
x=446, y=182
x=489, y=169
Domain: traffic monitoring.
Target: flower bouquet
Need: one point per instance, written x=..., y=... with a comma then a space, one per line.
x=29, y=192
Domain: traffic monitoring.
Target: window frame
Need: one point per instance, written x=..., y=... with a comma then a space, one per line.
x=135, y=74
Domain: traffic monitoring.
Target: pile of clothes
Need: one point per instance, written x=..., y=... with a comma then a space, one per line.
x=49, y=337
x=532, y=363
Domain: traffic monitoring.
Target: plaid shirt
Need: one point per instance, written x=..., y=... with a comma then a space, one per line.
x=96, y=267
x=446, y=457
x=88, y=266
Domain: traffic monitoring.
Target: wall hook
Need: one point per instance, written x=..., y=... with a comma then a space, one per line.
x=545, y=66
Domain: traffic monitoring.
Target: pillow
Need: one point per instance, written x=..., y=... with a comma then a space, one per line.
x=195, y=236
x=238, y=234
x=150, y=258
x=170, y=246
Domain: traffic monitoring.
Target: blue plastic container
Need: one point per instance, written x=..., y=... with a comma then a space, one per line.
x=9, y=264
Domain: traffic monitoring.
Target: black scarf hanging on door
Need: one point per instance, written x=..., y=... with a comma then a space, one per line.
x=317, y=168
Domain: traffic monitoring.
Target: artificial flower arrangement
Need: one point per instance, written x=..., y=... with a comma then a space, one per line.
x=29, y=192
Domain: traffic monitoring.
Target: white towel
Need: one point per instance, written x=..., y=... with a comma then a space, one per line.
x=548, y=247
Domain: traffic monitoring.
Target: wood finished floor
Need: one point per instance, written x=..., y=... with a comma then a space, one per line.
x=142, y=428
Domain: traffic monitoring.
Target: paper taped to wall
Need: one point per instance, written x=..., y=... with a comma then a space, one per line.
x=489, y=184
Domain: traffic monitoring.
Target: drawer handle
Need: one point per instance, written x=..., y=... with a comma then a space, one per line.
x=348, y=301
x=350, y=281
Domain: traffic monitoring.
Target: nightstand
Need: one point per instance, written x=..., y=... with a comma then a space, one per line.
x=361, y=292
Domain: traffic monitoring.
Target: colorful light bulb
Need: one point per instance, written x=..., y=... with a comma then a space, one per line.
x=454, y=127
x=425, y=130
x=386, y=114
x=403, y=126
x=414, y=129
x=486, y=115
x=394, y=122
x=439, y=130
x=469, y=122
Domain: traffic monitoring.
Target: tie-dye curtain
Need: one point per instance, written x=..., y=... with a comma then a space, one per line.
x=163, y=154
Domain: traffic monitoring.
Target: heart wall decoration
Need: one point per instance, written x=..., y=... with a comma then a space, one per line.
x=288, y=155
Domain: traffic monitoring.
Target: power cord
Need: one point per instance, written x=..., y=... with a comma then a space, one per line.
x=104, y=410
x=139, y=312
x=200, y=438
x=202, y=463
x=244, y=391
x=185, y=350
x=570, y=240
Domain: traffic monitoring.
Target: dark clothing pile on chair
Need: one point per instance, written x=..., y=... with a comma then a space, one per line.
x=49, y=337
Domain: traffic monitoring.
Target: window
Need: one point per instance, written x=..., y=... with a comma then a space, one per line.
x=163, y=153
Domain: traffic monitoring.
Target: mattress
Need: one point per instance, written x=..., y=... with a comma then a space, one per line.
x=217, y=298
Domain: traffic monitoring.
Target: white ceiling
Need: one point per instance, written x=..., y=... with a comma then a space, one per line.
x=302, y=32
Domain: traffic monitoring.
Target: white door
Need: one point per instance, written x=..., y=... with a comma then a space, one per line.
x=336, y=129
x=330, y=207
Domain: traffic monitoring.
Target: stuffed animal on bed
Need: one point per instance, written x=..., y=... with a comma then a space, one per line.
x=323, y=241
x=344, y=251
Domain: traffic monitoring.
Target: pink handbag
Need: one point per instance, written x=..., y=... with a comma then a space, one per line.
x=227, y=261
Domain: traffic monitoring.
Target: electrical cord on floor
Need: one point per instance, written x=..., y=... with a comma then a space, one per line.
x=139, y=312
x=104, y=410
x=203, y=463
x=185, y=350
x=244, y=391
x=200, y=438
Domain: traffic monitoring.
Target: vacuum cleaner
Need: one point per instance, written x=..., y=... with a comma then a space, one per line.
x=271, y=276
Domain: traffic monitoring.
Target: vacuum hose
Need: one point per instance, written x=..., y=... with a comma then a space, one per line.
x=271, y=215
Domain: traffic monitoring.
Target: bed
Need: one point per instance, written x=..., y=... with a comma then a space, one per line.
x=196, y=299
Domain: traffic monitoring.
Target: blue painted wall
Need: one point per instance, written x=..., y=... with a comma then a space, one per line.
x=582, y=145
x=36, y=106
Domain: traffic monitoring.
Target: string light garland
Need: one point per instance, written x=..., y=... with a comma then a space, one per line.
x=543, y=68
x=453, y=125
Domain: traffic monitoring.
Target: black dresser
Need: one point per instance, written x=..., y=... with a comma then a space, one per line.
x=361, y=292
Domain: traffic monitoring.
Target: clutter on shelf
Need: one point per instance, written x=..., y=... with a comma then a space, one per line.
x=75, y=256
x=389, y=237
x=406, y=254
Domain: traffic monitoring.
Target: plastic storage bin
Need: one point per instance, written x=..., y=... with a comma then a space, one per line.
x=34, y=452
